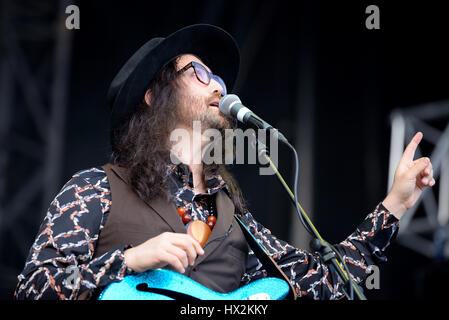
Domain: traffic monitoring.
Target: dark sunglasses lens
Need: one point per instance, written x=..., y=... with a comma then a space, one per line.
x=201, y=73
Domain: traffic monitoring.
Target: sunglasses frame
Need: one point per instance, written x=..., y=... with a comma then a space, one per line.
x=210, y=75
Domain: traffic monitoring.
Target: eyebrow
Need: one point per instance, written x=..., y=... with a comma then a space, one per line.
x=177, y=58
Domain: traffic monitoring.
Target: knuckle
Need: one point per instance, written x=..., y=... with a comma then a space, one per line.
x=164, y=235
x=174, y=261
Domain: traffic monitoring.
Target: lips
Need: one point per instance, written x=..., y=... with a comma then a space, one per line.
x=215, y=103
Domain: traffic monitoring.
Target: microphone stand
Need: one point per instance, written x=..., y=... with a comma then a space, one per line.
x=327, y=252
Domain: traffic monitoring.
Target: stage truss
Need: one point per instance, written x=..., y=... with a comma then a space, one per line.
x=35, y=48
x=424, y=228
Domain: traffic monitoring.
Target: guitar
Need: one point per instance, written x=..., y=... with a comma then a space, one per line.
x=161, y=284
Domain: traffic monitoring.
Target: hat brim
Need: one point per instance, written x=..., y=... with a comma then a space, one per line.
x=213, y=45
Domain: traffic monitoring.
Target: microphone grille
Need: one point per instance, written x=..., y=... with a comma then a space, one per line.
x=226, y=103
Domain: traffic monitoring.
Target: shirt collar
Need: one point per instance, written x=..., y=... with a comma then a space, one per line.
x=183, y=175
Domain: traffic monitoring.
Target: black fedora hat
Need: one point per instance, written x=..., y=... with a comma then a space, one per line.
x=216, y=47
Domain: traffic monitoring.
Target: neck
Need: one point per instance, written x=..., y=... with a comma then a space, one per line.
x=188, y=150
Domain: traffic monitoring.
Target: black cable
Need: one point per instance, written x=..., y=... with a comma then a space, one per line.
x=314, y=233
x=328, y=252
x=295, y=192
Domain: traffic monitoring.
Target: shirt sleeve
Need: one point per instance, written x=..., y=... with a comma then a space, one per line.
x=310, y=277
x=60, y=263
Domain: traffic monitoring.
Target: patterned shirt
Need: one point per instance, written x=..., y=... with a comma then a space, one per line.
x=68, y=235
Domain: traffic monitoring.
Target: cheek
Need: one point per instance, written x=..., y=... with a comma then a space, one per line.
x=197, y=90
x=192, y=104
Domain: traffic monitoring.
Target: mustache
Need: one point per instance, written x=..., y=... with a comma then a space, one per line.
x=194, y=107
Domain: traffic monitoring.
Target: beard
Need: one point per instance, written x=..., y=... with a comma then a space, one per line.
x=193, y=108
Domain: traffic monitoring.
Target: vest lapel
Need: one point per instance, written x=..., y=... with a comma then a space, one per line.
x=164, y=208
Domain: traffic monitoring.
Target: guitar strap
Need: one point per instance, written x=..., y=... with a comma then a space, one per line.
x=262, y=254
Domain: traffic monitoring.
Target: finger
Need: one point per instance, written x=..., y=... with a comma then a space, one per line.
x=432, y=183
x=183, y=238
x=174, y=262
x=409, y=152
x=428, y=171
x=427, y=177
x=418, y=167
x=190, y=250
x=195, y=243
x=180, y=254
x=189, y=245
x=430, y=178
x=199, y=249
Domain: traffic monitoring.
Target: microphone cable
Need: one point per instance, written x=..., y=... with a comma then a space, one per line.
x=308, y=225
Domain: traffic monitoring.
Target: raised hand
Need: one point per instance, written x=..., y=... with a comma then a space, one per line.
x=410, y=178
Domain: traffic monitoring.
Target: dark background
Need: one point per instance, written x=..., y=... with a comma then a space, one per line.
x=358, y=77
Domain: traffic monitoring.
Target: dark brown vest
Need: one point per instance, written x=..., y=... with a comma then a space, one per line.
x=132, y=221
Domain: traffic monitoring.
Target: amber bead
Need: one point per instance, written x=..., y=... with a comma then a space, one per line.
x=186, y=218
x=199, y=230
x=182, y=211
x=212, y=218
x=211, y=224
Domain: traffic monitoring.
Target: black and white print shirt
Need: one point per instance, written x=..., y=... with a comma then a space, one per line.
x=69, y=232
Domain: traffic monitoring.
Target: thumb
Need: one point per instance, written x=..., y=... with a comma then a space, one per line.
x=418, y=166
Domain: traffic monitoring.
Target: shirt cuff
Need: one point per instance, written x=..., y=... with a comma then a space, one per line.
x=378, y=230
x=113, y=267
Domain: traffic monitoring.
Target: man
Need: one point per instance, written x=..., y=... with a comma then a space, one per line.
x=131, y=215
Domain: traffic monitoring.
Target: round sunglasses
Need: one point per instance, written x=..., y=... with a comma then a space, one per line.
x=203, y=75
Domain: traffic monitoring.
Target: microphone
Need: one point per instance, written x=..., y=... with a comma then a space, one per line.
x=231, y=105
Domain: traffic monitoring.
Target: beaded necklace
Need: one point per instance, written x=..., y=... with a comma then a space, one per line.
x=197, y=228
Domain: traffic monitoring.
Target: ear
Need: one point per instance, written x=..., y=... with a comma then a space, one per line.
x=148, y=97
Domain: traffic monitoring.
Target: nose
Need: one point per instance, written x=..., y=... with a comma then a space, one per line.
x=216, y=87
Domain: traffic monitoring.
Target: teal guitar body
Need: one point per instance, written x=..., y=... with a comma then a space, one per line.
x=161, y=284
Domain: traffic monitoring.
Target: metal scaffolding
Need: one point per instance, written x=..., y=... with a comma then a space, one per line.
x=425, y=228
x=35, y=51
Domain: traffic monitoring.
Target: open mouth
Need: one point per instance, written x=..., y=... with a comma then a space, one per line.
x=214, y=104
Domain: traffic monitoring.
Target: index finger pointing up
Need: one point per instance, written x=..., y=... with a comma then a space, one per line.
x=409, y=152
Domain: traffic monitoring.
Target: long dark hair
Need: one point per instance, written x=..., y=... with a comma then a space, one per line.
x=141, y=142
